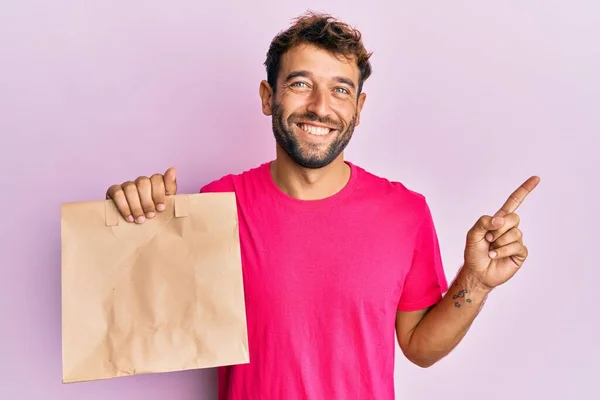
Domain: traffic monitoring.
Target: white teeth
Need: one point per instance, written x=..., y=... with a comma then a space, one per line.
x=315, y=130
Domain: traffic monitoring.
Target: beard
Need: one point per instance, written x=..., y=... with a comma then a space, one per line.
x=310, y=156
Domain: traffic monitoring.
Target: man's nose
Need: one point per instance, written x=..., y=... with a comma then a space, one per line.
x=319, y=103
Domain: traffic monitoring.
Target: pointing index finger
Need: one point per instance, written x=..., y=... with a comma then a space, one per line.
x=516, y=198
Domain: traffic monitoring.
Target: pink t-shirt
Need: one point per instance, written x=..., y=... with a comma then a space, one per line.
x=323, y=281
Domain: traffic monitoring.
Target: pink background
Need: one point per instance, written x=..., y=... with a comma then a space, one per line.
x=466, y=101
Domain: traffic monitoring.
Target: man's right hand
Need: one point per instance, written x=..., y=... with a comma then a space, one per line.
x=143, y=197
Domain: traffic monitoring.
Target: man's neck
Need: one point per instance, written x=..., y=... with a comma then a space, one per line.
x=309, y=184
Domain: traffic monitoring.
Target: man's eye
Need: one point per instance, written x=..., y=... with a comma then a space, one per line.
x=342, y=90
x=297, y=84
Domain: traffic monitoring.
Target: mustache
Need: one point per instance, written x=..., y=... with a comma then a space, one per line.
x=296, y=118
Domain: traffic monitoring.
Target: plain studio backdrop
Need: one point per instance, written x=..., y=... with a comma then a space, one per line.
x=467, y=100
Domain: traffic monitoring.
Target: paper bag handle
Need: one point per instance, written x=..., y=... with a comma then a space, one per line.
x=112, y=215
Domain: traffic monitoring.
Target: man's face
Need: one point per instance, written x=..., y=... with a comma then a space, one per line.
x=316, y=105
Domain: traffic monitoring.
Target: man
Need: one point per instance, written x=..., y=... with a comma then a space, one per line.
x=338, y=263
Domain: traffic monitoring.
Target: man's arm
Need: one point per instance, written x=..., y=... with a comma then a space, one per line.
x=426, y=336
x=494, y=252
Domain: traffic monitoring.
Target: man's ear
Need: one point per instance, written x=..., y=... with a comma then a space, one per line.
x=359, y=106
x=266, y=97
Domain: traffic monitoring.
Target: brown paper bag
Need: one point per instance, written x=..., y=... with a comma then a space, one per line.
x=165, y=295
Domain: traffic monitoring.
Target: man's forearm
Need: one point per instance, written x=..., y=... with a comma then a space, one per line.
x=444, y=326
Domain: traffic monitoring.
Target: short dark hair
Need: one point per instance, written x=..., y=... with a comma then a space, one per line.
x=325, y=32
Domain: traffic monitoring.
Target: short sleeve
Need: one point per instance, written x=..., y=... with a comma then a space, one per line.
x=425, y=281
x=223, y=184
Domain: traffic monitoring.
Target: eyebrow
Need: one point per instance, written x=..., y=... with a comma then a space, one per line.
x=307, y=74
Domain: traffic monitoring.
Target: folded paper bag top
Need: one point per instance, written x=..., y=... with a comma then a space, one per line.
x=166, y=295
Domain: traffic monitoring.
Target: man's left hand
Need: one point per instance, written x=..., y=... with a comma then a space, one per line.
x=494, y=251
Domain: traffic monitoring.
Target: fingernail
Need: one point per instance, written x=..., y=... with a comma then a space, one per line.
x=140, y=220
x=489, y=237
x=129, y=218
x=150, y=215
x=160, y=207
x=493, y=254
x=497, y=220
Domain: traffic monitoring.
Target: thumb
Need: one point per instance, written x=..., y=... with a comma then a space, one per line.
x=170, y=181
x=483, y=225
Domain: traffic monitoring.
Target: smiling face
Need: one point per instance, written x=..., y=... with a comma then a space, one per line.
x=316, y=105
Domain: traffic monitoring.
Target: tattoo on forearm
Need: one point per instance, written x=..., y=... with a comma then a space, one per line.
x=461, y=294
